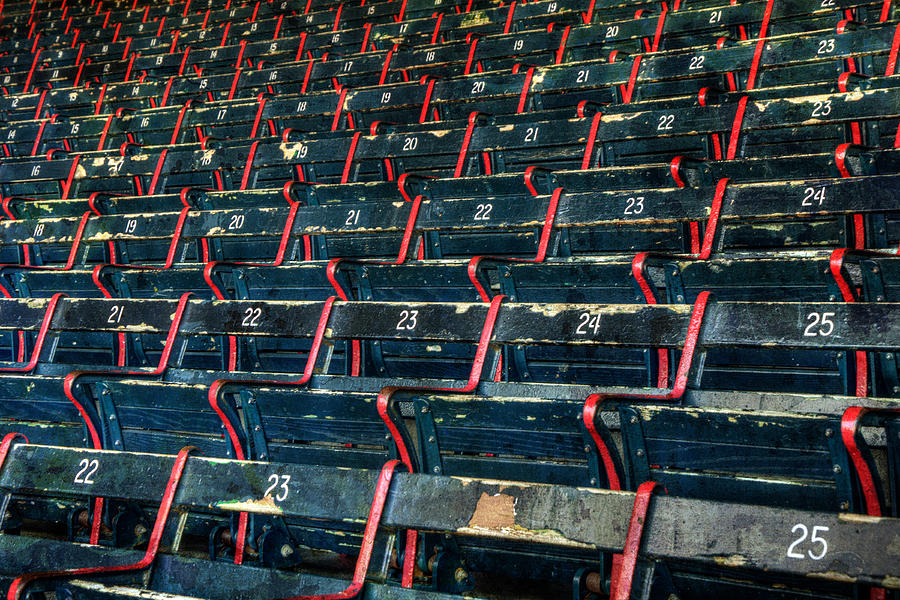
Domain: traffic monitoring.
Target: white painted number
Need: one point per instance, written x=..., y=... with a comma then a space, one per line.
x=665, y=122
x=826, y=46
x=352, y=217
x=236, y=222
x=477, y=87
x=612, y=31
x=280, y=483
x=251, y=319
x=696, y=63
x=634, y=205
x=483, y=212
x=410, y=143
x=715, y=17
x=587, y=321
x=824, y=322
x=811, y=194
x=821, y=109
x=88, y=468
x=131, y=225
x=407, y=320
x=583, y=75
x=115, y=315
x=531, y=134
x=813, y=539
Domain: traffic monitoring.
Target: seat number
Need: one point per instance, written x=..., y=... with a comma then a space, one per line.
x=115, y=315
x=483, y=212
x=814, y=538
x=821, y=108
x=665, y=122
x=826, y=46
x=407, y=320
x=811, y=194
x=587, y=321
x=86, y=471
x=634, y=205
x=819, y=324
x=278, y=487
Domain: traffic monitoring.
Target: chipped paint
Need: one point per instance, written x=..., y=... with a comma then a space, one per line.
x=832, y=576
x=731, y=560
x=265, y=506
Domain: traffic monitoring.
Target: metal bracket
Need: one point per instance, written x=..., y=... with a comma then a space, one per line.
x=427, y=435
x=635, y=450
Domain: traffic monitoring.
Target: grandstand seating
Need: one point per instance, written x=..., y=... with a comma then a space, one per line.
x=450, y=298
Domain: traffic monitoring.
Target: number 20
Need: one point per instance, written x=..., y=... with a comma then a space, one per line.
x=236, y=222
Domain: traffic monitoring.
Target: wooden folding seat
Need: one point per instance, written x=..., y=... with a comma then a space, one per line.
x=407, y=510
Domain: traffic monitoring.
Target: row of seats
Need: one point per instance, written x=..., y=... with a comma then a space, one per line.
x=429, y=298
